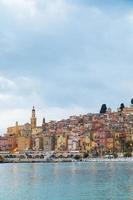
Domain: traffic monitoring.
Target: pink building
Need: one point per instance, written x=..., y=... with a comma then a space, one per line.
x=7, y=143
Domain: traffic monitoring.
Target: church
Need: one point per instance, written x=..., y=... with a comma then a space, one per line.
x=27, y=129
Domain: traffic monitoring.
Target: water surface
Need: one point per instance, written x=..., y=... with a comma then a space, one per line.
x=66, y=181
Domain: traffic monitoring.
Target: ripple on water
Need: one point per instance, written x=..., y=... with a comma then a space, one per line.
x=66, y=181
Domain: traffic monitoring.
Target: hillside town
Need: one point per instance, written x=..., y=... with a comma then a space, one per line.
x=89, y=135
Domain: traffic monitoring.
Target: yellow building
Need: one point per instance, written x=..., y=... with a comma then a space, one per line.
x=85, y=144
x=93, y=145
x=117, y=145
x=37, y=131
x=18, y=130
x=110, y=143
x=61, y=143
x=23, y=143
x=14, y=130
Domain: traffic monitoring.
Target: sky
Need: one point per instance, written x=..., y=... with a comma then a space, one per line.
x=65, y=57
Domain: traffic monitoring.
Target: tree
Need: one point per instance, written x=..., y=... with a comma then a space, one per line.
x=1, y=159
x=122, y=106
x=103, y=109
x=129, y=146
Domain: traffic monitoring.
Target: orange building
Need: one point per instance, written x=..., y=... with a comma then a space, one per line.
x=14, y=130
x=24, y=143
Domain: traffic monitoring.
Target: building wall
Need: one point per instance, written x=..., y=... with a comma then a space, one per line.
x=37, y=130
x=14, y=130
x=61, y=144
x=7, y=143
x=26, y=130
x=73, y=143
x=38, y=143
x=85, y=144
x=24, y=143
x=48, y=143
x=128, y=110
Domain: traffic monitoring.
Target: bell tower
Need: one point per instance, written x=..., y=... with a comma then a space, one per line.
x=17, y=129
x=33, y=118
x=43, y=124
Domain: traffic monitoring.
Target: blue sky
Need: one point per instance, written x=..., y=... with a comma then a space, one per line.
x=64, y=56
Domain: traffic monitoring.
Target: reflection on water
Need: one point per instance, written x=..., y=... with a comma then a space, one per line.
x=66, y=181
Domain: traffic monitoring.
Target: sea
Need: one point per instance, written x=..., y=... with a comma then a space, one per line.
x=67, y=181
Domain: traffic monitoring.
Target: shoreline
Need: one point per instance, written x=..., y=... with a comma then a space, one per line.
x=90, y=160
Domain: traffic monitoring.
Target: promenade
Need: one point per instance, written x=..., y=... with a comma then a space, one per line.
x=47, y=159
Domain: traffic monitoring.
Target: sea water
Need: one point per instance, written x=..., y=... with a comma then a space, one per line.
x=66, y=181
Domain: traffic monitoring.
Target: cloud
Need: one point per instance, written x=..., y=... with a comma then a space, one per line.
x=37, y=13
x=6, y=84
x=20, y=95
x=13, y=91
x=21, y=8
x=58, y=113
x=17, y=96
x=10, y=116
x=64, y=56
